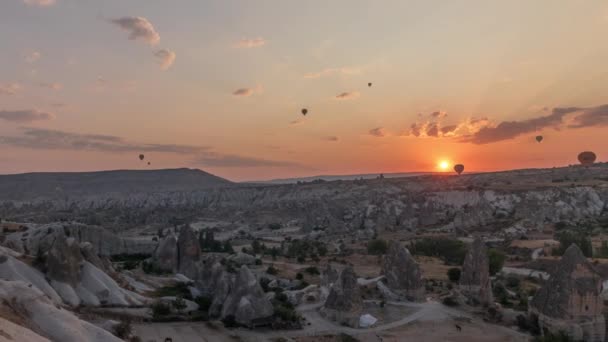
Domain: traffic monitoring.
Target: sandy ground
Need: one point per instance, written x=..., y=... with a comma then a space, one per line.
x=184, y=332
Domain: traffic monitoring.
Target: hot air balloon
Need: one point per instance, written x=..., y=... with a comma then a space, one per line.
x=141, y=157
x=369, y=84
x=539, y=138
x=458, y=168
x=304, y=111
x=587, y=158
x=148, y=163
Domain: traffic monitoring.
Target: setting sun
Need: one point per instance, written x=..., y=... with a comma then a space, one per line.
x=444, y=165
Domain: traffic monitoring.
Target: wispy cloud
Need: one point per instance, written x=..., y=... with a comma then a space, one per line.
x=53, y=85
x=40, y=3
x=333, y=71
x=348, y=95
x=331, y=138
x=247, y=43
x=47, y=139
x=33, y=57
x=590, y=117
x=139, y=28
x=378, y=132
x=212, y=159
x=165, y=57
x=23, y=116
x=10, y=89
x=245, y=92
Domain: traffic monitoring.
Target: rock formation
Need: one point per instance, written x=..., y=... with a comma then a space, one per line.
x=189, y=252
x=166, y=254
x=247, y=301
x=570, y=300
x=344, y=303
x=402, y=273
x=475, y=281
x=329, y=277
x=64, y=261
x=29, y=305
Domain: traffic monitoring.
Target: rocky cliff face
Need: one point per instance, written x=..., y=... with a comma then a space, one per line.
x=189, y=252
x=571, y=299
x=402, y=273
x=247, y=301
x=475, y=280
x=512, y=202
x=166, y=254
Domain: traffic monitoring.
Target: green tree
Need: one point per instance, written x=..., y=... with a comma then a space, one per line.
x=497, y=260
x=454, y=274
x=377, y=247
x=568, y=237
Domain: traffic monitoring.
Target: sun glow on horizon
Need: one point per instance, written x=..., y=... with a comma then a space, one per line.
x=443, y=165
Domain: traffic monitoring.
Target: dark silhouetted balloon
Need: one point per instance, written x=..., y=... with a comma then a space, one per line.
x=304, y=111
x=587, y=158
x=539, y=138
x=369, y=84
x=141, y=157
x=458, y=168
x=148, y=163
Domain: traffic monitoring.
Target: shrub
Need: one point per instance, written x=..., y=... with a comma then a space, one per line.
x=377, y=247
x=274, y=226
x=450, y=301
x=160, y=310
x=179, y=304
x=271, y=270
x=567, y=238
x=258, y=262
x=452, y=252
x=299, y=276
x=123, y=329
x=177, y=290
x=346, y=338
x=497, y=260
x=229, y=321
x=203, y=302
x=312, y=270
x=454, y=274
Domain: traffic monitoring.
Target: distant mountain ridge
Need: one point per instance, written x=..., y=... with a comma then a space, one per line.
x=341, y=177
x=55, y=184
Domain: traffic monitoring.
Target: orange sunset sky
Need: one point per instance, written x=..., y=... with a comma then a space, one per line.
x=219, y=85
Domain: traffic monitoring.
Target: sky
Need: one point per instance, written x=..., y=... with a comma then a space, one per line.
x=220, y=85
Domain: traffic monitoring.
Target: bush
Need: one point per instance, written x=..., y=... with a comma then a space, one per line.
x=274, y=226
x=312, y=270
x=550, y=337
x=377, y=247
x=258, y=262
x=204, y=303
x=299, y=276
x=567, y=238
x=123, y=329
x=346, y=338
x=177, y=290
x=160, y=310
x=179, y=304
x=454, y=274
x=497, y=260
x=229, y=321
x=450, y=301
x=271, y=270
x=452, y=252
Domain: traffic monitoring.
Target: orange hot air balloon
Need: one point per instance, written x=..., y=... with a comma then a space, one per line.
x=459, y=168
x=587, y=158
x=539, y=138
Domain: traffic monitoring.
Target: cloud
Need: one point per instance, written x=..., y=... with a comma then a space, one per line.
x=333, y=71
x=139, y=28
x=244, y=92
x=331, y=138
x=378, y=132
x=33, y=57
x=590, y=117
x=165, y=58
x=10, y=89
x=348, y=95
x=507, y=130
x=40, y=3
x=250, y=43
x=23, y=116
x=47, y=139
x=296, y=122
x=432, y=125
x=53, y=86
x=213, y=159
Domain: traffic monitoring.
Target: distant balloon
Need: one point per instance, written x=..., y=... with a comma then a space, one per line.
x=369, y=84
x=539, y=138
x=587, y=158
x=148, y=163
x=458, y=168
x=304, y=111
x=141, y=157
